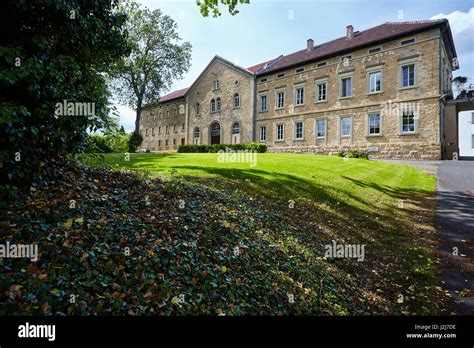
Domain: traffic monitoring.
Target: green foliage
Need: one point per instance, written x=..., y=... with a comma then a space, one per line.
x=134, y=141
x=213, y=5
x=54, y=51
x=260, y=148
x=353, y=154
x=156, y=59
x=97, y=143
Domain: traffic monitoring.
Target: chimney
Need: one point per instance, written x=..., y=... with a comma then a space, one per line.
x=349, y=32
x=309, y=44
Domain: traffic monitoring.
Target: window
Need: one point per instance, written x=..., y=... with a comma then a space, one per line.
x=279, y=132
x=346, y=87
x=159, y=130
x=146, y=132
x=160, y=116
x=374, y=124
x=299, y=96
x=263, y=133
x=375, y=82
x=166, y=142
x=182, y=127
x=263, y=102
x=280, y=99
x=175, y=111
x=174, y=128
x=218, y=104
x=213, y=105
x=374, y=50
x=408, y=121
x=215, y=84
x=159, y=143
x=321, y=89
x=345, y=58
x=299, y=70
x=263, y=80
x=320, y=128
x=197, y=133
x=166, y=130
x=407, y=42
x=280, y=75
x=167, y=114
x=298, y=130
x=319, y=65
x=408, y=75
x=153, y=132
x=346, y=125
x=236, y=100
x=198, y=108
x=472, y=141
x=236, y=128
x=174, y=142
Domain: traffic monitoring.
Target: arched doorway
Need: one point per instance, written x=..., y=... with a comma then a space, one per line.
x=215, y=133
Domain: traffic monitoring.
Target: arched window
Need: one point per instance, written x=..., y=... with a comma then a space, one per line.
x=236, y=100
x=198, y=109
x=213, y=105
x=216, y=129
x=218, y=102
x=236, y=128
x=197, y=132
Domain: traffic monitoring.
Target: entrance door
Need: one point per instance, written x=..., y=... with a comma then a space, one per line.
x=182, y=141
x=215, y=133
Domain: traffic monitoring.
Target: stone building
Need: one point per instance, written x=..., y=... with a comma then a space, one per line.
x=381, y=90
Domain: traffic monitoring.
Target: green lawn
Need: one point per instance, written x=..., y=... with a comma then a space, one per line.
x=386, y=207
x=183, y=216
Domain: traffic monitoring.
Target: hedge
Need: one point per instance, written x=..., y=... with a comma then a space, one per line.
x=260, y=148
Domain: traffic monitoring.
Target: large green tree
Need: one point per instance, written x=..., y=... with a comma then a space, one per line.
x=51, y=52
x=207, y=6
x=157, y=58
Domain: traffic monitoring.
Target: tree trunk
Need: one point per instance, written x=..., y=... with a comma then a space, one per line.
x=138, y=117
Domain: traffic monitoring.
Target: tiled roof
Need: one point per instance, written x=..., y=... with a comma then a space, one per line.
x=360, y=39
x=175, y=94
x=379, y=33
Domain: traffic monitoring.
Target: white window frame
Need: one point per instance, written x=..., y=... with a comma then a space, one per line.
x=295, y=92
x=321, y=82
x=403, y=64
x=344, y=77
x=235, y=98
x=369, y=115
x=260, y=109
x=415, y=122
x=371, y=72
x=277, y=99
x=264, y=133
x=316, y=130
x=295, y=127
x=215, y=84
x=341, y=126
x=282, y=132
x=213, y=105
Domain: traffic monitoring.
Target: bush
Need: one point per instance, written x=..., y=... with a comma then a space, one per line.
x=260, y=148
x=353, y=154
x=134, y=142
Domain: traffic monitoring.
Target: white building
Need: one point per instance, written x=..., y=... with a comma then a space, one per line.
x=466, y=133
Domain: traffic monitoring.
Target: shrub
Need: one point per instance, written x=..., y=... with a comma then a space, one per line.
x=134, y=142
x=260, y=148
x=353, y=154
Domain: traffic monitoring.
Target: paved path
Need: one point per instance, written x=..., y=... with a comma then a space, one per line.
x=455, y=223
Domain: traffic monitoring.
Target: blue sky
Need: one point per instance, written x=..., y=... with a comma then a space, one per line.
x=265, y=29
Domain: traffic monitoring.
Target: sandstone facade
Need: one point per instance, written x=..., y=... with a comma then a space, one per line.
x=384, y=98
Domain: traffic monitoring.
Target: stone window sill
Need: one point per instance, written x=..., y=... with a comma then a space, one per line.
x=348, y=97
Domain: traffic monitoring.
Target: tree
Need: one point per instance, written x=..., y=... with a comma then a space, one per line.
x=213, y=6
x=460, y=81
x=51, y=52
x=156, y=59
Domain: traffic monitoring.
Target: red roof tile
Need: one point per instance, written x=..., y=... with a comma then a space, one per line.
x=379, y=33
x=175, y=94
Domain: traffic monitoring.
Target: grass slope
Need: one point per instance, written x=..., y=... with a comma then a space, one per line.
x=217, y=238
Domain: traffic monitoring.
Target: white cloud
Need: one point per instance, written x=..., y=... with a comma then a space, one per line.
x=459, y=21
x=127, y=117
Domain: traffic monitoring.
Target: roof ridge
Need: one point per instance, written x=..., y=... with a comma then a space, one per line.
x=421, y=21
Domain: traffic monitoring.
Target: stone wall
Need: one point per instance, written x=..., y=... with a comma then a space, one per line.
x=231, y=81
